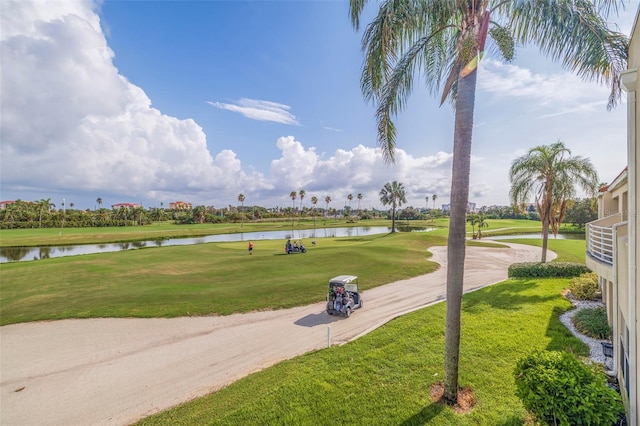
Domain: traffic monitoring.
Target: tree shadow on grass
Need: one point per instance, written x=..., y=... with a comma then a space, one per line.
x=561, y=338
x=423, y=416
x=506, y=296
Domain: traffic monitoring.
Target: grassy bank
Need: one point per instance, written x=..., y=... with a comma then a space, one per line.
x=384, y=377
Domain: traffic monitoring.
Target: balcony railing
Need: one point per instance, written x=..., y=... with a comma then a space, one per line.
x=600, y=238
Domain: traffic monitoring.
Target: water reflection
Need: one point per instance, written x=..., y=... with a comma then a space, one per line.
x=14, y=254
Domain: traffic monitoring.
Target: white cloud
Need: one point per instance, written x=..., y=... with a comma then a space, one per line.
x=358, y=170
x=70, y=120
x=260, y=110
x=72, y=123
x=564, y=91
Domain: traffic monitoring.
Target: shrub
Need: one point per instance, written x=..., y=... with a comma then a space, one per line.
x=561, y=390
x=593, y=322
x=585, y=287
x=539, y=269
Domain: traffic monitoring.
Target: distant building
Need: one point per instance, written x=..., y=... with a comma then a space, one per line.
x=180, y=205
x=4, y=204
x=471, y=207
x=125, y=205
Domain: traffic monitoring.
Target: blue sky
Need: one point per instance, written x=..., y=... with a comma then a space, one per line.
x=150, y=102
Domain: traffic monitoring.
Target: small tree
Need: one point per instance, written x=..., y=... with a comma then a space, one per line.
x=481, y=222
x=581, y=212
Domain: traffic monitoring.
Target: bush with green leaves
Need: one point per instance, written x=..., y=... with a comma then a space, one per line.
x=544, y=270
x=585, y=287
x=559, y=389
x=593, y=322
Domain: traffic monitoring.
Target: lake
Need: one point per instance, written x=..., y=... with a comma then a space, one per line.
x=15, y=254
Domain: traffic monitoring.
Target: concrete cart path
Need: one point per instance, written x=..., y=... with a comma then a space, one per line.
x=116, y=371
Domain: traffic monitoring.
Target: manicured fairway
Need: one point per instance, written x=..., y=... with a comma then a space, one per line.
x=203, y=279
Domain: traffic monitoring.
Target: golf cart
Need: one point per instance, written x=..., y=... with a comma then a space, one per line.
x=343, y=296
x=294, y=248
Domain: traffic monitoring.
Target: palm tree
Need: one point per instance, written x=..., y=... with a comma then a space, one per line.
x=481, y=222
x=359, y=200
x=549, y=174
x=350, y=198
x=301, y=193
x=434, y=197
x=393, y=193
x=473, y=219
x=44, y=205
x=241, y=200
x=99, y=201
x=199, y=214
x=444, y=40
x=327, y=200
x=314, y=201
x=293, y=196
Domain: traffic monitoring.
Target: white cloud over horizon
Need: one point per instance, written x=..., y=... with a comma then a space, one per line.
x=62, y=132
x=72, y=124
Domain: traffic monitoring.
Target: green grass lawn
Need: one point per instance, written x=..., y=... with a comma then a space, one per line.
x=203, y=279
x=384, y=378
x=567, y=250
x=215, y=278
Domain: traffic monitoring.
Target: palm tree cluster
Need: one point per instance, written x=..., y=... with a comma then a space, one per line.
x=44, y=214
x=478, y=220
x=444, y=42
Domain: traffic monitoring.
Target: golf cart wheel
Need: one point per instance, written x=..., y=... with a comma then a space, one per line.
x=329, y=312
x=347, y=312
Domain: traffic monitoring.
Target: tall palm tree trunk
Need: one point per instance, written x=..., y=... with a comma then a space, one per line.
x=457, y=223
x=393, y=218
x=545, y=233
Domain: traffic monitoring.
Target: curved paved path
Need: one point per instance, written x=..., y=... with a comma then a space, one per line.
x=116, y=371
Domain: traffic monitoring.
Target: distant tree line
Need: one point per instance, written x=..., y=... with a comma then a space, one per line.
x=44, y=214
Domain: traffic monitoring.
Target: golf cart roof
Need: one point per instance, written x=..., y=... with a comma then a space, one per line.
x=343, y=279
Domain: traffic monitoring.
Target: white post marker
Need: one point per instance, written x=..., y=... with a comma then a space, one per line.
x=329, y=336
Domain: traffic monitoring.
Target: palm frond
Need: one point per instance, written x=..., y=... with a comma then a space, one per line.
x=355, y=10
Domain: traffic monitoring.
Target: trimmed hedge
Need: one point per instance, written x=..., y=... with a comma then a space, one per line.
x=544, y=270
x=560, y=390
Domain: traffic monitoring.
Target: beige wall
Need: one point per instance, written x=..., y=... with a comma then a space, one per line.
x=628, y=277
